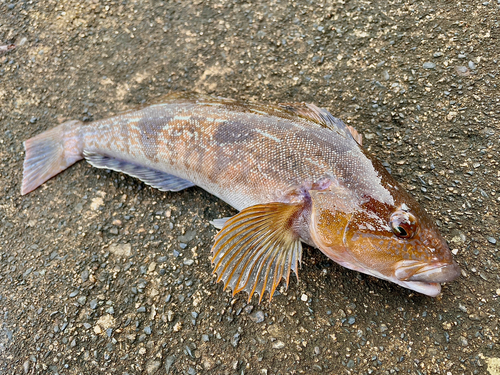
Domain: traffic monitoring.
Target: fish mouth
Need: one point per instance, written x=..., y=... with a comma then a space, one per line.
x=436, y=272
x=429, y=289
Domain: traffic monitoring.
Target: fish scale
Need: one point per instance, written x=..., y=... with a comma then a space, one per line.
x=296, y=173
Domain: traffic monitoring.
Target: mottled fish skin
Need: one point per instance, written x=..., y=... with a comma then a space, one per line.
x=292, y=161
x=257, y=151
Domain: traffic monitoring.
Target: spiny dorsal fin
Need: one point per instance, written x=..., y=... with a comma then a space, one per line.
x=357, y=137
x=322, y=117
x=257, y=248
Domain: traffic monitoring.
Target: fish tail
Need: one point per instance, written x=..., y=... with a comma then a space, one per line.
x=51, y=152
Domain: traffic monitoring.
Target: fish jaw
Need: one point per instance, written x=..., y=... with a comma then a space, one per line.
x=430, y=289
x=438, y=272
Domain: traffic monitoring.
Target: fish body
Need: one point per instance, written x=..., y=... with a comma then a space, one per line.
x=296, y=174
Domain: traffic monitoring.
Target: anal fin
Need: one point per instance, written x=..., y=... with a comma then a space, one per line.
x=153, y=177
x=257, y=248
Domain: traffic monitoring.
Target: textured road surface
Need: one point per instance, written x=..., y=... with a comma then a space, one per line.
x=102, y=274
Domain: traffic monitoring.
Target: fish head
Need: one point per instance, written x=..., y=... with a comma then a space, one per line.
x=397, y=242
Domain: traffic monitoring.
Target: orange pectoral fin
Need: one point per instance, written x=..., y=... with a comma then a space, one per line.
x=257, y=248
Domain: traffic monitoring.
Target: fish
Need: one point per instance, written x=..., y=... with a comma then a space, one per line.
x=296, y=174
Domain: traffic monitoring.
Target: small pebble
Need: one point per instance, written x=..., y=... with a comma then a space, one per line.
x=235, y=340
x=278, y=344
x=429, y=65
x=304, y=297
x=472, y=65
x=74, y=293
x=152, y=367
x=84, y=276
x=492, y=240
x=169, y=362
x=205, y=338
x=257, y=317
x=81, y=300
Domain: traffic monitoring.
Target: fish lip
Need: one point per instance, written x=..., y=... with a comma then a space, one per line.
x=429, y=289
x=436, y=272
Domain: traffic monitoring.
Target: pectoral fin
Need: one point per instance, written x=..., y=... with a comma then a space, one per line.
x=257, y=248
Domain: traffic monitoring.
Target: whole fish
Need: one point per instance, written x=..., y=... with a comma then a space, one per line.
x=296, y=174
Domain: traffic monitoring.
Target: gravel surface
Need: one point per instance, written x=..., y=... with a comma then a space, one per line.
x=101, y=274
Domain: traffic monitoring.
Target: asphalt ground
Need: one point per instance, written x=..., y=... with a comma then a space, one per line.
x=100, y=273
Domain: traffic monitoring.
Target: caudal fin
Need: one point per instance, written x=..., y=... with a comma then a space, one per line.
x=49, y=153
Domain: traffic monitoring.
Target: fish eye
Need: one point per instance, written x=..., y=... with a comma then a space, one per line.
x=403, y=224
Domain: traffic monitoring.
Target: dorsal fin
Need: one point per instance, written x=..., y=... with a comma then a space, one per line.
x=322, y=117
x=357, y=137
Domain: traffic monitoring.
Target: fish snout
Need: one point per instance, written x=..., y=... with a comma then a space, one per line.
x=428, y=273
